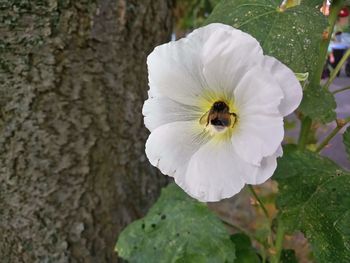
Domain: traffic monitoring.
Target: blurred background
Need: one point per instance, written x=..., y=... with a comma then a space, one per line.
x=73, y=79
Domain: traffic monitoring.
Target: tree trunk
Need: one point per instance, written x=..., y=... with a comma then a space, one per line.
x=73, y=79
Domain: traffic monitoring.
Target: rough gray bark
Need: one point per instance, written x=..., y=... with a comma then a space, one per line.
x=73, y=80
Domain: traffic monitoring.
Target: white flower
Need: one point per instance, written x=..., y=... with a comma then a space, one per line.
x=215, y=111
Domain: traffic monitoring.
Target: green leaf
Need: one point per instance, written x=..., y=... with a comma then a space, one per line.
x=292, y=36
x=314, y=197
x=288, y=256
x=346, y=140
x=245, y=253
x=319, y=104
x=313, y=3
x=176, y=229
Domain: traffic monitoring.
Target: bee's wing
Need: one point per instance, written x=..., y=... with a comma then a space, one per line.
x=204, y=119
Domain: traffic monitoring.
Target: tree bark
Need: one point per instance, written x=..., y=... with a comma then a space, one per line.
x=73, y=79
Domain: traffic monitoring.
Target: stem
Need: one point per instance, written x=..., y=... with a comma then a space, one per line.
x=266, y=244
x=279, y=243
x=340, y=124
x=259, y=201
x=337, y=69
x=335, y=8
x=246, y=232
x=304, y=132
x=340, y=90
x=263, y=255
x=241, y=229
x=327, y=139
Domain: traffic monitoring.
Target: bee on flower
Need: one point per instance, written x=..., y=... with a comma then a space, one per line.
x=215, y=111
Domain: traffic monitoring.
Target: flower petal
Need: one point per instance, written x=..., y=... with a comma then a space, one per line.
x=174, y=71
x=170, y=146
x=256, y=92
x=227, y=54
x=211, y=174
x=258, y=136
x=259, y=130
x=288, y=82
x=160, y=111
x=209, y=60
x=216, y=172
x=260, y=174
x=217, y=62
x=268, y=166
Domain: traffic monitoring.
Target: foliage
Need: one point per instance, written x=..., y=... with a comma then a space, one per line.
x=314, y=192
x=314, y=197
x=313, y=3
x=176, y=229
x=319, y=104
x=244, y=251
x=192, y=13
x=288, y=256
x=293, y=36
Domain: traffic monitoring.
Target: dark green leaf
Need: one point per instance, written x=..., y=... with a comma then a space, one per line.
x=314, y=197
x=176, y=229
x=313, y=3
x=241, y=241
x=319, y=104
x=245, y=253
x=346, y=140
x=292, y=36
x=288, y=256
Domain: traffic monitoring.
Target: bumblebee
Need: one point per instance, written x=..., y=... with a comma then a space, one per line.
x=219, y=116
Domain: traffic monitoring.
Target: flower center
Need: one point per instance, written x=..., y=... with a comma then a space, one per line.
x=219, y=118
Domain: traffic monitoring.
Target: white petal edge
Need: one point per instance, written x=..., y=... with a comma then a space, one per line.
x=158, y=111
x=289, y=84
x=171, y=146
x=211, y=174
x=260, y=174
x=220, y=52
x=259, y=130
x=174, y=71
x=227, y=54
x=259, y=137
